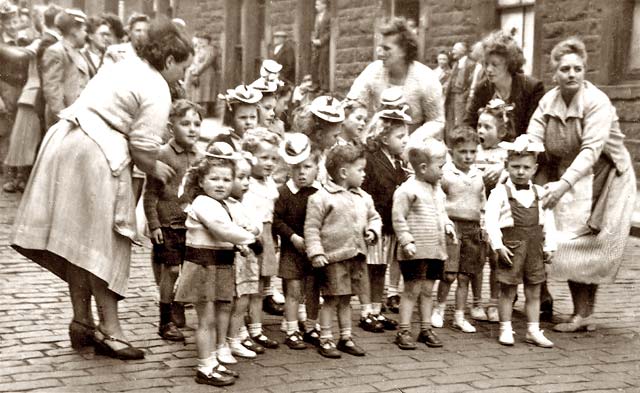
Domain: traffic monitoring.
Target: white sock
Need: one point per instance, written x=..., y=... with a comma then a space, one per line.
x=392, y=290
x=533, y=327
x=243, y=333
x=376, y=308
x=255, y=329
x=442, y=306
x=458, y=316
x=292, y=327
x=220, y=346
x=302, y=312
x=505, y=325
x=267, y=291
x=206, y=365
x=365, y=309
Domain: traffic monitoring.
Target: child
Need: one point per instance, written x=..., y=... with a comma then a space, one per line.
x=165, y=217
x=384, y=173
x=493, y=127
x=463, y=185
x=420, y=222
x=267, y=105
x=341, y=222
x=354, y=123
x=288, y=222
x=523, y=235
x=261, y=197
x=241, y=114
x=212, y=237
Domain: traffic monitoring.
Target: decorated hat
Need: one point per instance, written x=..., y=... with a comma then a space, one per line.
x=222, y=150
x=264, y=85
x=392, y=97
x=7, y=9
x=295, y=149
x=522, y=144
x=328, y=109
x=270, y=66
x=242, y=94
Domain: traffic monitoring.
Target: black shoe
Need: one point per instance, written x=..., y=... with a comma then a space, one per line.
x=328, y=350
x=270, y=306
x=177, y=314
x=428, y=337
x=393, y=304
x=371, y=324
x=252, y=345
x=312, y=337
x=81, y=335
x=387, y=323
x=224, y=370
x=295, y=341
x=102, y=348
x=265, y=341
x=546, y=310
x=170, y=332
x=348, y=346
x=214, y=379
x=404, y=340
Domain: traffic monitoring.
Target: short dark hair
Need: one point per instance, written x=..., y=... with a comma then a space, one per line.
x=93, y=22
x=114, y=23
x=405, y=37
x=50, y=14
x=135, y=18
x=165, y=40
x=341, y=155
x=504, y=45
x=181, y=106
x=463, y=134
x=65, y=22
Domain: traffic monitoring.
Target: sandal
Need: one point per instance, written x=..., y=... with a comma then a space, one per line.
x=81, y=334
x=127, y=353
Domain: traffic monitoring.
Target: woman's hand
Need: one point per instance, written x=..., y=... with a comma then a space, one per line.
x=319, y=261
x=492, y=174
x=505, y=254
x=163, y=172
x=554, y=191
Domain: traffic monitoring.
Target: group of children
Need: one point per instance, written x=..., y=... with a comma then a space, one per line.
x=327, y=207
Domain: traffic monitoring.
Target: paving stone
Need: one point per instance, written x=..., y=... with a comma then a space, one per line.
x=25, y=385
x=453, y=388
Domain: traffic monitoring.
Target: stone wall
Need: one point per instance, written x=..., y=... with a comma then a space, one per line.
x=203, y=16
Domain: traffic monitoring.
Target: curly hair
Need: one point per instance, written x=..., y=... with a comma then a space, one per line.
x=114, y=22
x=254, y=137
x=181, y=106
x=463, y=134
x=572, y=45
x=165, y=40
x=405, y=38
x=505, y=128
x=198, y=171
x=341, y=155
x=380, y=129
x=306, y=122
x=504, y=45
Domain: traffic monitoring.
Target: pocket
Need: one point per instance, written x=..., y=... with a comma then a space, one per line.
x=512, y=244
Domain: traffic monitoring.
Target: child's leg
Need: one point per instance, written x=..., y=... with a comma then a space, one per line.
x=505, y=301
x=205, y=337
x=410, y=295
x=462, y=292
x=444, y=285
x=532, y=308
x=327, y=312
x=426, y=303
x=344, y=316
x=223, y=317
x=168, y=277
x=312, y=301
x=238, y=311
x=292, y=296
x=376, y=284
x=494, y=288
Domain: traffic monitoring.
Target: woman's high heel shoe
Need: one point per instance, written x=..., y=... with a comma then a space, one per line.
x=103, y=348
x=575, y=324
x=81, y=335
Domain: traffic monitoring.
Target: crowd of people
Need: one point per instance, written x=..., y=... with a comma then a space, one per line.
x=415, y=179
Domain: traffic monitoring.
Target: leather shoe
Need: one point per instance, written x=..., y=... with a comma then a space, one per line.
x=387, y=323
x=348, y=346
x=170, y=332
x=270, y=306
x=371, y=324
x=294, y=341
x=81, y=335
x=328, y=350
x=265, y=341
x=428, y=337
x=312, y=337
x=214, y=379
x=393, y=304
x=103, y=348
x=575, y=324
x=253, y=346
x=404, y=340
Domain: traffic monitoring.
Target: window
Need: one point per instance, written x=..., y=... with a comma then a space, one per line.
x=517, y=17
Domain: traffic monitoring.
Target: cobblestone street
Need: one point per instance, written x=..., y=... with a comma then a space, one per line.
x=35, y=353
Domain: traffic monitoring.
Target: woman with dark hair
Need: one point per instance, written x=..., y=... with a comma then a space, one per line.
x=77, y=216
x=590, y=182
x=398, y=67
x=503, y=78
x=443, y=70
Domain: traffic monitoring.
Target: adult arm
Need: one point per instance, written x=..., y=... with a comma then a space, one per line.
x=53, y=78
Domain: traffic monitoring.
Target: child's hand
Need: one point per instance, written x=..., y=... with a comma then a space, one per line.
x=492, y=174
x=156, y=236
x=450, y=230
x=410, y=250
x=548, y=257
x=370, y=237
x=298, y=243
x=319, y=261
x=243, y=250
x=505, y=254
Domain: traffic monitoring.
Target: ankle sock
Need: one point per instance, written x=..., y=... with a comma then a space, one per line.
x=533, y=327
x=404, y=326
x=302, y=312
x=365, y=309
x=477, y=302
x=505, y=325
x=376, y=308
x=243, y=333
x=325, y=333
x=458, y=316
x=255, y=329
x=292, y=327
x=345, y=333
x=441, y=306
x=424, y=325
x=206, y=365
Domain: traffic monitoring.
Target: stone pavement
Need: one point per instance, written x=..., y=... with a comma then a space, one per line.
x=35, y=353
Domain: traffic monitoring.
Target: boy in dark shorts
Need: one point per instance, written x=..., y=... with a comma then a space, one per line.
x=523, y=235
x=165, y=215
x=421, y=225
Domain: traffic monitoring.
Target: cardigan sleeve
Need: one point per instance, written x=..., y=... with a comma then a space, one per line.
x=316, y=212
x=217, y=221
x=374, y=221
x=402, y=200
x=537, y=125
x=361, y=89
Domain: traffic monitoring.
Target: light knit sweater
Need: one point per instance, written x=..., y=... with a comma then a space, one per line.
x=464, y=191
x=419, y=217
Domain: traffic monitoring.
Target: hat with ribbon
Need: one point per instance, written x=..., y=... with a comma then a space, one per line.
x=241, y=94
x=295, y=149
x=7, y=9
x=328, y=109
x=393, y=105
x=222, y=150
x=522, y=144
x=264, y=85
x=499, y=105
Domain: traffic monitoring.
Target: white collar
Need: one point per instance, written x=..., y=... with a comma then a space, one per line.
x=294, y=189
x=473, y=169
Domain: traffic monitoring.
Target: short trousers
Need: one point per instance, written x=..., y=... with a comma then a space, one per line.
x=348, y=277
x=467, y=255
x=422, y=269
x=171, y=252
x=527, y=259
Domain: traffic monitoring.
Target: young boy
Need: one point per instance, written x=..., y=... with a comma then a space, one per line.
x=421, y=223
x=165, y=215
x=288, y=222
x=341, y=221
x=463, y=185
x=523, y=235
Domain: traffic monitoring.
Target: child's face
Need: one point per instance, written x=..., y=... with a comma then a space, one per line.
x=241, y=182
x=353, y=174
x=464, y=155
x=396, y=141
x=488, y=131
x=186, y=129
x=267, y=110
x=266, y=159
x=353, y=125
x=521, y=168
x=245, y=117
x=217, y=183
x=431, y=172
x=329, y=135
x=304, y=173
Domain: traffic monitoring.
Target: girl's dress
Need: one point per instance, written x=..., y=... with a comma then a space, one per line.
x=78, y=207
x=584, y=146
x=261, y=198
x=247, y=267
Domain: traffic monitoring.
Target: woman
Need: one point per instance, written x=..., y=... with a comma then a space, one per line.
x=77, y=216
x=443, y=70
x=320, y=45
x=200, y=82
x=398, y=67
x=503, y=61
x=591, y=184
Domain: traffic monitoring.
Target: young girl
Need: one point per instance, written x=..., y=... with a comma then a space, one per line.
x=241, y=113
x=267, y=105
x=212, y=237
x=384, y=173
x=261, y=197
x=354, y=123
